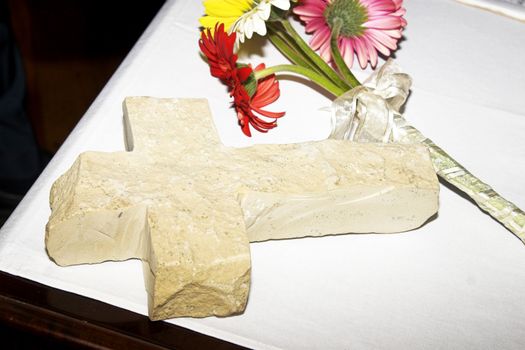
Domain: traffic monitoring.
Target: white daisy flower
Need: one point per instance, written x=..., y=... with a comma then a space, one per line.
x=254, y=20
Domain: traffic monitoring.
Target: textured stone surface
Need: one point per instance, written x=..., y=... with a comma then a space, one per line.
x=187, y=205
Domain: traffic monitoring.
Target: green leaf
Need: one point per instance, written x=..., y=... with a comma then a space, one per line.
x=249, y=84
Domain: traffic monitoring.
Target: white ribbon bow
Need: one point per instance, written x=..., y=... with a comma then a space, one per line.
x=368, y=113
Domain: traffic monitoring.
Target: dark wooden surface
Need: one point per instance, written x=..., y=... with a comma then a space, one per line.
x=69, y=51
x=36, y=316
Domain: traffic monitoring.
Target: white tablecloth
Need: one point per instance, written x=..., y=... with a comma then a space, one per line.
x=511, y=8
x=456, y=283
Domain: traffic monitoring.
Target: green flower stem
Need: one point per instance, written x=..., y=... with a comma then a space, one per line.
x=316, y=59
x=336, y=55
x=289, y=45
x=308, y=73
x=288, y=51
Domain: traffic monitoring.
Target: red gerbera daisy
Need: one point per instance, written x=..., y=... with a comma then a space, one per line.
x=218, y=49
x=266, y=93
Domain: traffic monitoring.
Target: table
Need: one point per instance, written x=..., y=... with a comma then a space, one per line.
x=454, y=283
x=50, y=318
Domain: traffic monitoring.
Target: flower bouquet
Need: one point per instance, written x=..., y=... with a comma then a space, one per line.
x=343, y=33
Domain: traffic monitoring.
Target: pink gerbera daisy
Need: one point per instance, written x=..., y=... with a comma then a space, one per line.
x=368, y=27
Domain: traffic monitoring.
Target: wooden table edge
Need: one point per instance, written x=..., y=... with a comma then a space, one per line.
x=76, y=320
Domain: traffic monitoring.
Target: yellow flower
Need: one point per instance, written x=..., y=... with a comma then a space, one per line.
x=244, y=17
x=224, y=11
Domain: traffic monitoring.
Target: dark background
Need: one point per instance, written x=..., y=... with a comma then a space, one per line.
x=68, y=50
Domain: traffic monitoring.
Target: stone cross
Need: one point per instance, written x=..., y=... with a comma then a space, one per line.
x=187, y=206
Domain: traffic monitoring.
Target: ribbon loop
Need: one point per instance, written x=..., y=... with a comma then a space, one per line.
x=367, y=113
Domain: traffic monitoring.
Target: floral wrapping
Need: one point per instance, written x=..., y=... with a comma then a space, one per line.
x=370, y=113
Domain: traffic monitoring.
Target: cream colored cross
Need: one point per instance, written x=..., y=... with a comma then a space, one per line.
x=188, y=206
